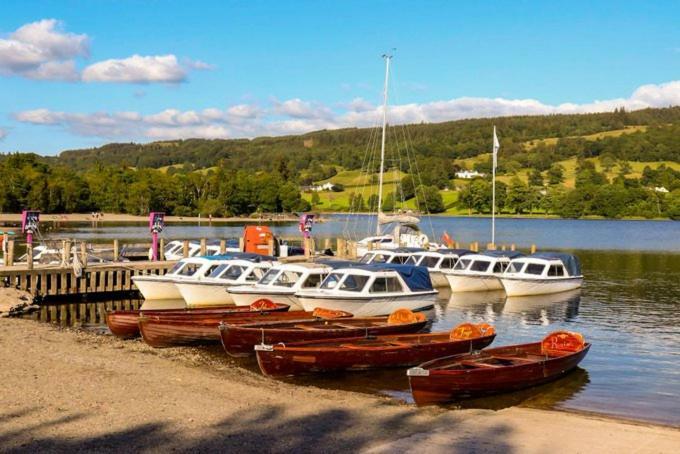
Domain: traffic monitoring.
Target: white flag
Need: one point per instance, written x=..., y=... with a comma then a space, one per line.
x=496, y=146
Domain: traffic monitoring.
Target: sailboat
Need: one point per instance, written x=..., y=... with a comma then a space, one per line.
x=405, y=231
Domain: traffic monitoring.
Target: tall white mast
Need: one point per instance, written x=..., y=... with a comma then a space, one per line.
x=494, y=163
x=382, y=147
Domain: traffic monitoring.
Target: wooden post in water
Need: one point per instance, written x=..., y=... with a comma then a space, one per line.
x=204, y=247
x=223, y=246
x=512, y=247
x=161, y=249
x=353, y=250
x=10, y=252
x=115, y=250
x=83, y=254
x=66, y=252
x=502, y=247
x=490, y=246
x=326, y=244
x=270, y=246
x=307, y=246
x=533, y=248
x=185, y=249
x=29, y=256
x=340, y=248
x=241, y=244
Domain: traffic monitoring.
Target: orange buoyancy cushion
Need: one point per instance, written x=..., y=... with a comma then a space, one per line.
x=263, y=304
x=559, y=342
x=321, y=312
x=401, y=316
x=486, y=329
x=465, y=331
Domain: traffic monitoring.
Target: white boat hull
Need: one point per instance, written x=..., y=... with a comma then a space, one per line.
x=369, y=307
x=473, y=283
x=198, y=294
x=527, y=287
x=438, y=279
x=246, y=299
x=156, y=288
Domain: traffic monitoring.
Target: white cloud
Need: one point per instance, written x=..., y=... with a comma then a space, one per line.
x=296, y=116
x=41, y=50
x=137, y=69
x=3, y=133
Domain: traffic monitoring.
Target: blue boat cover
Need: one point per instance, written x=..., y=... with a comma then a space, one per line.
x=251, y=257
x=570, y=262
x=416, y=277
x=498, y=253
x=458, y=252
x=405, y=250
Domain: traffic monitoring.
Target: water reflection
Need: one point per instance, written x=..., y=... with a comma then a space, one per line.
x=545, y=309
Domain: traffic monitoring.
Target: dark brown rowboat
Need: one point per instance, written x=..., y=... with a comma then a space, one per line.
x=400, y=350
x=124, y=324
x=497, y=370
x=240, y=340
x=164, y=331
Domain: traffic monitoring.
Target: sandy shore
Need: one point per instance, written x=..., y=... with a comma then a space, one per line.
x=113, y=217
x=66, y=391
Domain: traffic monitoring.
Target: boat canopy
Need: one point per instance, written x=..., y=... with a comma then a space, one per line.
x=570, y=262
x=406, y=250
x=499, y=254
x=251, y=257
x=458, y=252
x=416, y=277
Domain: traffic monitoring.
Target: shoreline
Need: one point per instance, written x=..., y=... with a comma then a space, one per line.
x=95, y=391
x=119, y=217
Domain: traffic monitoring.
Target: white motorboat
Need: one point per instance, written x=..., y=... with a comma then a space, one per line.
x=436, y=262
x=542, y=273
x=398, y=255
x=281, y=283
x=211, y=290
x=174, y=250
x=155, y=287
x=369, y=290
x=479, y=272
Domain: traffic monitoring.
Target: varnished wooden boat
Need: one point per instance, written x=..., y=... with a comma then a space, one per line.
x=124, y=324
x=240, y=340
x=164, y=331
x=399, y=350
x=497, y=370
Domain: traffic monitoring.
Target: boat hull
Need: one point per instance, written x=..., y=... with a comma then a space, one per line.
x=241, y=340
x=370, y=307
x=473, y=283
x=438, y=279
x=247, y=298
x=123, y=324
x=441, y=386
x=299, y=358
x=156, y=288
x=529, y=287
x=161, y=332
x=197, y=294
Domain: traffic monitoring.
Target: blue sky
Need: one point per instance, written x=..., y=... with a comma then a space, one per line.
x=83, y=73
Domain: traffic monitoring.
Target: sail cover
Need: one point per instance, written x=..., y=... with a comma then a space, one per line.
x=570, y=262
x=400, y=218
x=416, y=277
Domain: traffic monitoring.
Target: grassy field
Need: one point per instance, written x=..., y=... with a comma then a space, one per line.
x=599, y=135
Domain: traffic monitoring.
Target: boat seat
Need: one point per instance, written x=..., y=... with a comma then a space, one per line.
x=473, y=363
x=306, y=327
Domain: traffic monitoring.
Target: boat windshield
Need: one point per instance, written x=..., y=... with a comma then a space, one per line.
x=287, y=278
x=386, y=285
x=556, y=270
x=176, y=267
x=414, y=259
x=331, y=281
x=233, y=273
x=429, y=261
x=515, y=267
x=354, y=283
x=313, y=280
x=480, y=265
x=218, y=270
x=189, y=270
x=462, y=264
x=380, y=258
x=400, y=259
x=366, y=258
x=269, y=276
x=534, y=268
x=255, y=274
x=447, y=263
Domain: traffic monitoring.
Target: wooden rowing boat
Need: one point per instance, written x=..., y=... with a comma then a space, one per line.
x=240, y=340
x=124, y=324
x=163, y=331
x=371, y=352
x=497, y=370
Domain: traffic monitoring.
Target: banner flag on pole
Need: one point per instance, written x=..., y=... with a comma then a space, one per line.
x=496, y=146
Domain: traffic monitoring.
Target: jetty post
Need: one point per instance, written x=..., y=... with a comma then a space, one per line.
x=29, y=225
x=156, y=224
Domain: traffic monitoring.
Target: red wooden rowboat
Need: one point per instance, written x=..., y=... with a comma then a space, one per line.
x=124, y=324
x=240, y=340
x=370, y=352
x=497, y=370
x=164, y=331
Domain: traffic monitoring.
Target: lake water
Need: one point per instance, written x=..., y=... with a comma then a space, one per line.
x=628, y=310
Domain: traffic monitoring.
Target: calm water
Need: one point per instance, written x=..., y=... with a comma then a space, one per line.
x=628, y=310
x=546, y=233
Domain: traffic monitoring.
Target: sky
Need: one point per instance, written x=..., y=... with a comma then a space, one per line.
x=78, y=74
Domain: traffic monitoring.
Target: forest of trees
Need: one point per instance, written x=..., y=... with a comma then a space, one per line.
x=240, y=177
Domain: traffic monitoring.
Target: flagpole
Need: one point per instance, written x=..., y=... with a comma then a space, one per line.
x=493, y=190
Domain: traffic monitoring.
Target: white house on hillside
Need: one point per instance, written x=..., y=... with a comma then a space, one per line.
x=323, y=187
x=469, y=174
x=661, y=189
